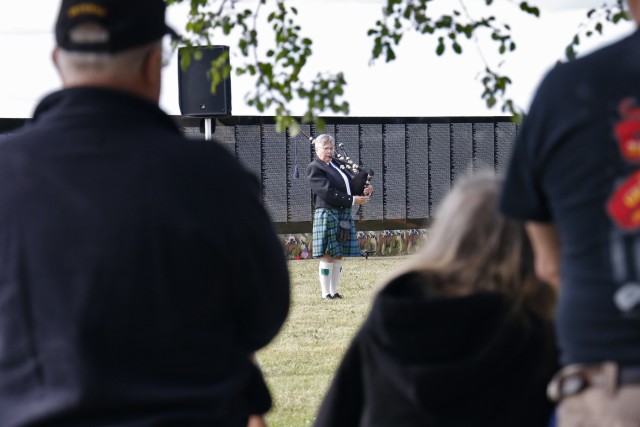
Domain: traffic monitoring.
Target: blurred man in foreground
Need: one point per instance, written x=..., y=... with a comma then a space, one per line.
x=119, y=302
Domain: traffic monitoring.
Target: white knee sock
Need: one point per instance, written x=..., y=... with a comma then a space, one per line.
x=324, y=271
x=335, y=276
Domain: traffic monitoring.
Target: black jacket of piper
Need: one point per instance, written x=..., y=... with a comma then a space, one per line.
x=446, y=362
x=327, y=185
x=138, y=271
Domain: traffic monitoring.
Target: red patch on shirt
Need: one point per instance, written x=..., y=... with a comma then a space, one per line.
x=624, y=204
x=628, y=135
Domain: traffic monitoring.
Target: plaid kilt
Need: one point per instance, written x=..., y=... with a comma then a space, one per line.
x=325, y=231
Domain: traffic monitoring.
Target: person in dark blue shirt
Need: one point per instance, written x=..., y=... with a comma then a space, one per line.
x=573, y=178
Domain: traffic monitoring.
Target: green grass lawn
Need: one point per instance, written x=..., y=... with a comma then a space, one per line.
x=299, y=364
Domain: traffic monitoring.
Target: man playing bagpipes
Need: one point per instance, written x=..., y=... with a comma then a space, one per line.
x=335, y=191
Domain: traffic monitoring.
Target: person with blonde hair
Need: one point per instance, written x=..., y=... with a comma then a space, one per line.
x=459, y=336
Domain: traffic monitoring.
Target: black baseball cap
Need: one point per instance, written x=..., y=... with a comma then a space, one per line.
x=129, y=23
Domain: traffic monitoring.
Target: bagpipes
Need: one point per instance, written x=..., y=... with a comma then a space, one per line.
x=360, y=176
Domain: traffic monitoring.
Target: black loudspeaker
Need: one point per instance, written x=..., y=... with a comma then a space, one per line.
x=194, y=84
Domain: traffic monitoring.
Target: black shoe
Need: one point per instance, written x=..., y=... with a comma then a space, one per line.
x=336, y=296
x=327, y=296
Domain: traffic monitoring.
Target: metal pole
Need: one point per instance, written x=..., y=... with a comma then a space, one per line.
x=207, y=128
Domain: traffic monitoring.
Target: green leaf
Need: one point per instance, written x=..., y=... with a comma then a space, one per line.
x=525, y=7
x=570, y=53
x=391, y=56
x=294, y=128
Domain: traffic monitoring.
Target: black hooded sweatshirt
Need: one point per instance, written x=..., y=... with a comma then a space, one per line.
x=447, y=362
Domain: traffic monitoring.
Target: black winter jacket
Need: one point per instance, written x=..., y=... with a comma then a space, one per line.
x=124, y=299
x=447, y=362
